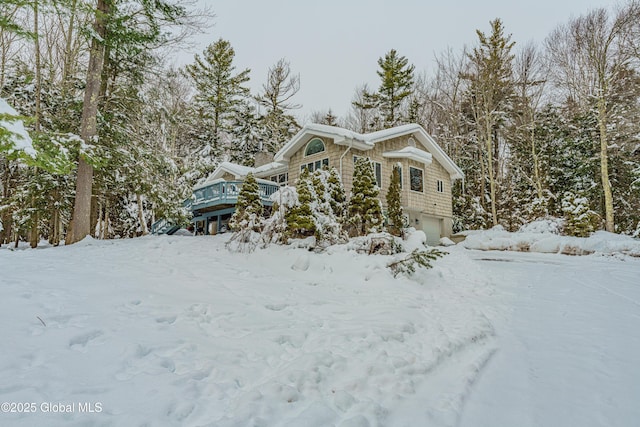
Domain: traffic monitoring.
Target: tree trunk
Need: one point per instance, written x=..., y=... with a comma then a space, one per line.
x=34, y=233
x=536, y=161
x=38, y=76
x=94, y=216
x=604, y=167
x=105, y=230
x=492, y=182
x=143, y=222
x=81, y=218
x=66, y=70
x=7, y=222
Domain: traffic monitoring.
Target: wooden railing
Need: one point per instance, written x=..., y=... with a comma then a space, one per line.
x=225, y=192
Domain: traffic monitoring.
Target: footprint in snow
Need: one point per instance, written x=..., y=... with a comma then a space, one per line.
x=80, y=341
x=168, y=320
x=276, y=307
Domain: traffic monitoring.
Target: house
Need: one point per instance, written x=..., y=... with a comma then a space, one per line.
x=427, y=174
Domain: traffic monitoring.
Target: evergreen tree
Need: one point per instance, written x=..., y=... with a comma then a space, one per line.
x=300, y=221
x=220, y=90
x=581, y=221
x=394, y=204
x=365, y=209
x=247, y=135
x=330, y=119
x=337, y=197
x=489, y=96
x=249, y=208
x=396, y=86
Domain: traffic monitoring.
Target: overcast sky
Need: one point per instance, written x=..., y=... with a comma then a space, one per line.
x=334, y=44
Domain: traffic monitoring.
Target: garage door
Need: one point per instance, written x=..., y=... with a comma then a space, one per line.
x=431, y=227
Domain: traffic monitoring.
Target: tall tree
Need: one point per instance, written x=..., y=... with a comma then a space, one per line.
x=276, y=97
x=80, y=226
x=396, y=84
x=490, y=90
x=280, y=87
x=220, y=90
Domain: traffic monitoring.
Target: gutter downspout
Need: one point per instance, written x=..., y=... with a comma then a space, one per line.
x=344, y=154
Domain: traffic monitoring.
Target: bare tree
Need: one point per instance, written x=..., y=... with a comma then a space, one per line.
x=361, y=119
x=280, y=87
x=589, y=54
x=529, y=89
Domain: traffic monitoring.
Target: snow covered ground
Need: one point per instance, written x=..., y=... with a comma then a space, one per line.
x=175, y=330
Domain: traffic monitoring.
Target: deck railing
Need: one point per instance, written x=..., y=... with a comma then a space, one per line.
x=225, y=192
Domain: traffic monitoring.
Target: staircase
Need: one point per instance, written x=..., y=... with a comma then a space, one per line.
x=164, y=226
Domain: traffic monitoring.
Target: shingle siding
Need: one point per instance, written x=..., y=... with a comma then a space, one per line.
x=429, y=201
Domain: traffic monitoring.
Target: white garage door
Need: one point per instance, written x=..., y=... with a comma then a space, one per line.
x=431, y=227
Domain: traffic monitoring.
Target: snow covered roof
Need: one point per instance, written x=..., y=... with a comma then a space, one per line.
x=410, y=153
x=367, y=141
x=240, y=171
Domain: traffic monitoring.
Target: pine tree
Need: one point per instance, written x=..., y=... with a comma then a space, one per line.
x=300, y=221
x=219, y=89
x=248, y=208
x=581, y=221
x=337, y=197
x=365, y=209
x=489, y=94
x=396, y=86
x=246, y=134
x=394, y=205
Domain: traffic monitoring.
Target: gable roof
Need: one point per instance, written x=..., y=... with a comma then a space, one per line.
x=240, y=171
x=367, y=141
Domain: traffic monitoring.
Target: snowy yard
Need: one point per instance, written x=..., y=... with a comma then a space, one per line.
x=177, y=331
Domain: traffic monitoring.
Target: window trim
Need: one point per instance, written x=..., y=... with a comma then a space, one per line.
x=314, y=139
x=311, y=166
x=440, y=186
x=411, y=182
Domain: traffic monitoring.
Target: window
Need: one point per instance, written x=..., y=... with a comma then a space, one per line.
x=377, y=169
x=280, y=179
x=440, y=186
x=314, y=146
x=313, y=166
x=416, y=179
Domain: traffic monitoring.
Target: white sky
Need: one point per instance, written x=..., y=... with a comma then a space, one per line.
x=334, y=44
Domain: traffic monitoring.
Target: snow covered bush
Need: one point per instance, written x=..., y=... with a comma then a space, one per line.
x=365, y=209
x=299, y=217
x=581, y=221
x=248, y=214
x=337, y=197
x=312, y=208
x=247, y=221
x=546, y=225
x=275, y=227
x=377, y=243
x=13, y=136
